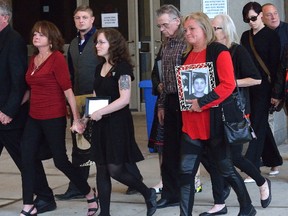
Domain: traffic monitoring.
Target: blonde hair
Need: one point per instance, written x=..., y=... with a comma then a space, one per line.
x=228, y=28
x=204, y=22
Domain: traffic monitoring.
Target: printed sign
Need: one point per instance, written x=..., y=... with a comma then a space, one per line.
x=214, y=7
x=109, y=20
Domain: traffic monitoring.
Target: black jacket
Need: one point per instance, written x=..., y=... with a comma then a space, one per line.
x=13, y=66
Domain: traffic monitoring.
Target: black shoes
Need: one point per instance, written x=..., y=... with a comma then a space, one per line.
x=131, y=191
x=163, y=203
x=93, y=211
x=44, y=206
x=221, y=212
x=70, y=194
x=151, y=203
x=265, y=203
x=29, y=212
x=251, y=212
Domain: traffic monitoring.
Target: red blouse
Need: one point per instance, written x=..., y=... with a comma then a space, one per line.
x=47, y=85
x=197, y=124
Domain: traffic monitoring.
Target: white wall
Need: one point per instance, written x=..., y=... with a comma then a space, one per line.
x=234, y=10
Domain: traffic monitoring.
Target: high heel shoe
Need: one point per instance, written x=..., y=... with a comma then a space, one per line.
x=29, y=212
x=93, y=210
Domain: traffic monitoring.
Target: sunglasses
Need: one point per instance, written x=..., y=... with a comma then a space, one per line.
x=253, y=19
x=217, y=28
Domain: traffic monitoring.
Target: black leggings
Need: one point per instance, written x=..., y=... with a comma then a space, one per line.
x=218, y=182
x=120, y=173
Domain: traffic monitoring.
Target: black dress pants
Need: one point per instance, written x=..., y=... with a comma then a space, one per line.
x=53, y=131
x=11, y=139
x=171, y=149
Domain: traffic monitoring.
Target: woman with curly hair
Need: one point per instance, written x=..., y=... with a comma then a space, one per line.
x=113, y=140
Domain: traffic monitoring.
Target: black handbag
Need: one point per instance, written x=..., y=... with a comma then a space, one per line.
x=238, y=131
x=88, y=131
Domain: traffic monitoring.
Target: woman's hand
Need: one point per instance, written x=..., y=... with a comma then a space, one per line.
x=194, y=105
x=96, y=116
x=78, y=126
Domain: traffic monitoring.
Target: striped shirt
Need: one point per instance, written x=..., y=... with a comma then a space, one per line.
x=171, y=56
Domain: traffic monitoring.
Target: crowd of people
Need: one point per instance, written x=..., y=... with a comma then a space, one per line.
x=37, y=97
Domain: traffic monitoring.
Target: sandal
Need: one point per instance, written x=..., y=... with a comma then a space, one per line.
x=93, y=210
x=29, y=212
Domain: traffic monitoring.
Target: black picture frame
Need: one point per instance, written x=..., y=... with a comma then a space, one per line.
x=93, y=104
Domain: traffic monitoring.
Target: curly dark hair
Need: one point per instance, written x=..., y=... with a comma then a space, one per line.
x=118, y=48
x=53, y=34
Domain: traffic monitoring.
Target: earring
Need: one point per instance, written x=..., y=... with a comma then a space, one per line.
x=50, y=46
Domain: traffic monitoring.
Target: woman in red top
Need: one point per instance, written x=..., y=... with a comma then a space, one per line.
x=202, y=124
x=49, y=87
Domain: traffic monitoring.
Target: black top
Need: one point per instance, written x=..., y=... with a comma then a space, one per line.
x=267, y=44
x=282, y=31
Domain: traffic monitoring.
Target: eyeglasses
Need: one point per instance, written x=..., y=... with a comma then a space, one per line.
x=253, y=19
x=100, y=42
x=165, y=25
x=217, y=28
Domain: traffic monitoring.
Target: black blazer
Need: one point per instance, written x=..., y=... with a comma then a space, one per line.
x=13, y=66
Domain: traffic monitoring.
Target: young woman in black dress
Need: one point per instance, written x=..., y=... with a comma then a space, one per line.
x=113, y=140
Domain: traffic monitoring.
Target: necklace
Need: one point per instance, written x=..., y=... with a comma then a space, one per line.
x=39, y=60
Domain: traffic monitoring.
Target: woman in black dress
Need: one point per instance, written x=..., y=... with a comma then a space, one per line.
x=113, y=140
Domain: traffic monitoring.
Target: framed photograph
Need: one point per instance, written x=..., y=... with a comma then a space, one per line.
x=95, y=103
x=194, y=81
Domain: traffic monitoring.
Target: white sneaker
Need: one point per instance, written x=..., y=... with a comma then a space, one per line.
x=274, y=172
x=249, y=180
x=158, y=190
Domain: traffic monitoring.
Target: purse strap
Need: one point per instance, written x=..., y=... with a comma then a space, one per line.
x=262, y=64
x=232, y=52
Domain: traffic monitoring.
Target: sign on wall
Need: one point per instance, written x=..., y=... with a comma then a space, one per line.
x=214, y=7
x=109, y=20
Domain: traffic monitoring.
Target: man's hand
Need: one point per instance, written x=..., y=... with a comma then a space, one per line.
x=4, y=119
x=275, y=101
x=160, y=115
